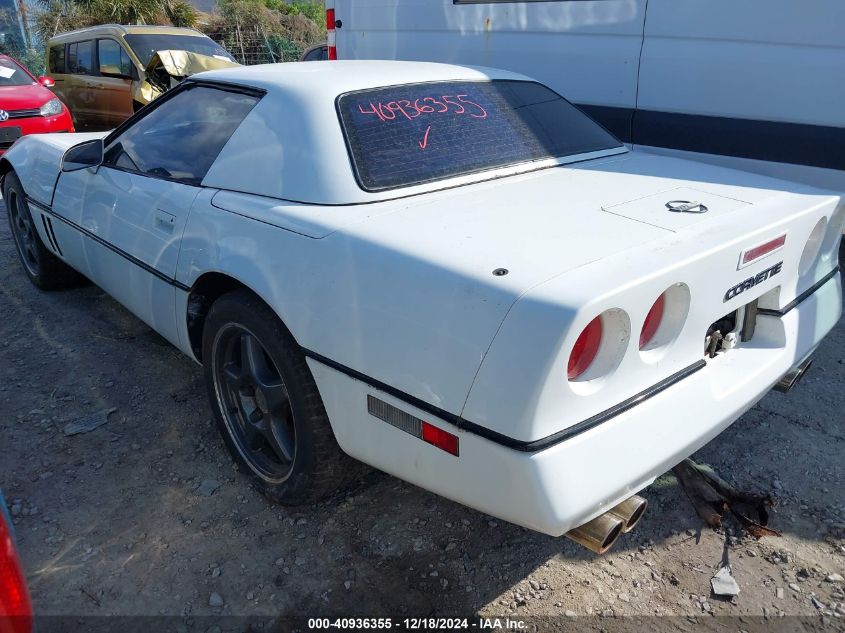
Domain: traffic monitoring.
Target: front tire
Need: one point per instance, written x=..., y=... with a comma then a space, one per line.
x=266, y=403
x=43, y=268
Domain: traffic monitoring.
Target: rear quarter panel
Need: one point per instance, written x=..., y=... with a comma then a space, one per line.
x=352, y=297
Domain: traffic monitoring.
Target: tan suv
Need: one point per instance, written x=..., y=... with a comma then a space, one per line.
x=105, y=73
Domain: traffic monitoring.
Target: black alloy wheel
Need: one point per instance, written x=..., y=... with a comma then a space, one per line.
x=254, y=402
x=267, y=405
x=41, y=265
x=23, y=230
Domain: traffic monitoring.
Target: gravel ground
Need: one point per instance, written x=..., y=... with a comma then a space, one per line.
x=146, y=515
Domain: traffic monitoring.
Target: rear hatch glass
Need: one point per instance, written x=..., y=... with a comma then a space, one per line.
x=418, y=133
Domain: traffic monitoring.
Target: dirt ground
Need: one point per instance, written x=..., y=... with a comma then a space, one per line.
x=116, y=522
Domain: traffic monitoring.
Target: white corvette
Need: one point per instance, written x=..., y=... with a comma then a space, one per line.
x=448, y=273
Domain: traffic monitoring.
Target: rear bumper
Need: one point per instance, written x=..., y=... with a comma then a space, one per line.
x=557, y=488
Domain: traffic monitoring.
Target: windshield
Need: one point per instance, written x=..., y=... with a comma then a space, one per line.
x=418, y=133
x=145, y=45
x=12, y=74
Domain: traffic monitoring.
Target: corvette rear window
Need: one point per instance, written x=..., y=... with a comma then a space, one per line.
x=418, y=133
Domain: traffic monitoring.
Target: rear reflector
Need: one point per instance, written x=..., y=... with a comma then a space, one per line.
x=443, y=440
x=330, y=34
x=412, y=425
x=752, y=254
x=15, y=608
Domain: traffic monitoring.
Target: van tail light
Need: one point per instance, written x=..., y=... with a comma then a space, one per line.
x=652, y=321
x=15, y=607
x=330, y=33
x=585, y=350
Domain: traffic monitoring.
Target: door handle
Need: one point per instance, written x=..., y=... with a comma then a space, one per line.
x=164, y=221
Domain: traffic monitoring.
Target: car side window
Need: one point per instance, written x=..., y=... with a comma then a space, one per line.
x=81, y=58
x=181, y=137
x=112, y=59
x=71, y=57
x=57, y=59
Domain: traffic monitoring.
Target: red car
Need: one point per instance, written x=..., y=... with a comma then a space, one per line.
x=15, y=607
x=26, y=106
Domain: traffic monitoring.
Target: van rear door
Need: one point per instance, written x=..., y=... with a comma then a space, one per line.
x=587, y=51
x=758, y=80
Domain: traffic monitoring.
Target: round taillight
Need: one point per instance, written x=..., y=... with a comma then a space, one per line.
x=652, y=321
x=585, y=349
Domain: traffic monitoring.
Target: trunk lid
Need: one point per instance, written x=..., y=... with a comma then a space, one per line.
x=547, y=223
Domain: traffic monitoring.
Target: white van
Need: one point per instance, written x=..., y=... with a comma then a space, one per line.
x=757, y=85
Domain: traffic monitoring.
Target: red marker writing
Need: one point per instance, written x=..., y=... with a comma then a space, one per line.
x=424, y=142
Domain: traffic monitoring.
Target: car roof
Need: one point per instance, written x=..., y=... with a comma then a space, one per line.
x=123, y=29
x=321, y=79
x=291, y=146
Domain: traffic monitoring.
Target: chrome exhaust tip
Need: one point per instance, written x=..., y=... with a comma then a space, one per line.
x=793, y=376
x=630, y=512
x=598, y=535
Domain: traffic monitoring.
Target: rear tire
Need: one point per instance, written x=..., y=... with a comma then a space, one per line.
x=267, y=405
x=43, y=268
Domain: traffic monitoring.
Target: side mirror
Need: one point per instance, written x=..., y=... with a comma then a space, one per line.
x=87, y=154
x=47, y=82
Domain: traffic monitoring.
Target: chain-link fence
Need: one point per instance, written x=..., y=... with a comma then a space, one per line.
x=253, y=45
x=17, y=35
x=255, y=35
